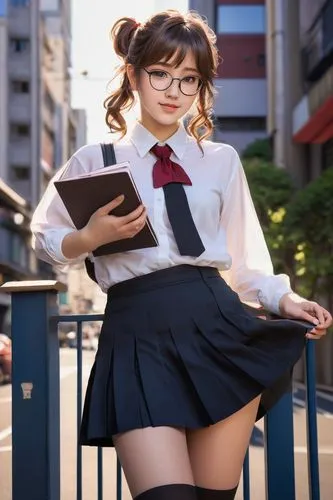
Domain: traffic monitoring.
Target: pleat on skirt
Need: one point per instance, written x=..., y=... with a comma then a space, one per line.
x=178, y=348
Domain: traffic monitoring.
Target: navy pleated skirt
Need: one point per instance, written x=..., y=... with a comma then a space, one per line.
x=178, y=348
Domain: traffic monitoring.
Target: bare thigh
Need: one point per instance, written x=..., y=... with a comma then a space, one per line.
x=217, y=452
x=153, y=456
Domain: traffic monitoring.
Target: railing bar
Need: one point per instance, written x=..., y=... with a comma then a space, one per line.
x=311, y=421
x=119, y=481
x=279, y=450
x=79, y=410
x=100, y=473
x=71, y=318
x=246, y=476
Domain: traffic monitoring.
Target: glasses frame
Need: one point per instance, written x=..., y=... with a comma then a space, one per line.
x=149, y=73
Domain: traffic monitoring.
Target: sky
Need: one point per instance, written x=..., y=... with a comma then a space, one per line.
x=92, y=52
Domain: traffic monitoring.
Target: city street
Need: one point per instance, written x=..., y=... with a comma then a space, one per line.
x=68, y=446
x=220, y=115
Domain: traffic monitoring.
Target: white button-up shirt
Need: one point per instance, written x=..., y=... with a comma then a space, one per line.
x=221, y=207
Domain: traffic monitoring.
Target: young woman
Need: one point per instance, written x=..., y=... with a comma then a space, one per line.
x=182, y=369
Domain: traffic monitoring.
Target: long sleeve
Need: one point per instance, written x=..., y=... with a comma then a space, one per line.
x=251, y=274
x=51, y=222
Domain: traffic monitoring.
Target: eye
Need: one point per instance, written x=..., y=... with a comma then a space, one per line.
x=159, y=74
x=190, y=79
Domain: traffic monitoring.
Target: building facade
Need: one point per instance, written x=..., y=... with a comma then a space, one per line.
x=37, y=123
x=17, y=260
x=300, y=111
x=38, y=128
x=300, y=75
x=57, y=18
x=241, y=102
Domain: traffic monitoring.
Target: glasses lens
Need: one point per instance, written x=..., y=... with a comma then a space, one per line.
x=190, y=85
x=160, y=80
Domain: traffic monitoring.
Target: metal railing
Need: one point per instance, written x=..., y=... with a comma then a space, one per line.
x=36, y=407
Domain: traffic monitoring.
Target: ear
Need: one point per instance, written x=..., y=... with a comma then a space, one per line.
x=132, y=76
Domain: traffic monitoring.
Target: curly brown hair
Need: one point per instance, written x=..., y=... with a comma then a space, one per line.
x=164, y=36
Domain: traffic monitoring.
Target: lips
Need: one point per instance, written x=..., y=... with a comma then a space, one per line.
x=170, y=106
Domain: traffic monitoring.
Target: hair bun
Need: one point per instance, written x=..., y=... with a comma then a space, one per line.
x=122, y=33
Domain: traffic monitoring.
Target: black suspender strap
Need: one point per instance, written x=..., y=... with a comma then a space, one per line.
x=109, y=158
x=109, y=155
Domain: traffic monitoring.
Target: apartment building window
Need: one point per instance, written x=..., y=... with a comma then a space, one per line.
x=18, y=250
x=327, y=155
x=19, y=130
x=19, y=45
x=20, y=3
x=20, y=172
x=20, y=86
x=327, y=27
x=261, y=60
x=240, y=19
x=241, y=124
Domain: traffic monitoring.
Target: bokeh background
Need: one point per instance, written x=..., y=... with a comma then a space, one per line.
x=274, y=104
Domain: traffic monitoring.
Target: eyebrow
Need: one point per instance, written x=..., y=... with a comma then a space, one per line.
x=168, y=65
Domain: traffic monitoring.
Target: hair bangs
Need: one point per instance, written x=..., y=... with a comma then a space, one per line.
x=170, y=47
x=202, y=56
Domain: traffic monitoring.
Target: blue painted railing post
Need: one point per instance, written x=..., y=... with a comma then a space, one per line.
x=35, y=390
x=279, y=450
x=311, y=422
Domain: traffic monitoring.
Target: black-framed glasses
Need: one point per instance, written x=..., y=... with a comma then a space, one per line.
x=162, y=80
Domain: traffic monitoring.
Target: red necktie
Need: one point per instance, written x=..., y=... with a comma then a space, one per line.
x=166, y=170
x=171, y=176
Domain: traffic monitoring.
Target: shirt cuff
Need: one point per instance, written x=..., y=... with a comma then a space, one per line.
x=270, y=295
x=54, y=244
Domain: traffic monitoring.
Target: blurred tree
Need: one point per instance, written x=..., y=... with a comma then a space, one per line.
x=308, y=227
x=272, y=190
x=260, y=148
x=298, y=224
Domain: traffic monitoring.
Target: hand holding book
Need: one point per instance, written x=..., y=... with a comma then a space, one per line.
x=109, y=224
x=103, y=227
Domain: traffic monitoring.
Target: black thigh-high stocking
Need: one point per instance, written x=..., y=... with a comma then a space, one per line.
x=205, y=494
x=169, y=492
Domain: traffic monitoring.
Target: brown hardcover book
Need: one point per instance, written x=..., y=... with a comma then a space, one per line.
x=84, y=194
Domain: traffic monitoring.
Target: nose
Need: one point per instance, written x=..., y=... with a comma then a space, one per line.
x=174, y=90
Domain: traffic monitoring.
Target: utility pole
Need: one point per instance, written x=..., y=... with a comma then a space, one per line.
x=35, y=103
x=279, y=75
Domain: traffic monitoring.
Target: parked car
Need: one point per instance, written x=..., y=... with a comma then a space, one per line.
x=5, y=359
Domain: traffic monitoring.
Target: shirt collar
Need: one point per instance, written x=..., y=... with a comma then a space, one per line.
x=144, y=140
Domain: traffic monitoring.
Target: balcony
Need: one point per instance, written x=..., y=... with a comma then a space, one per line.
x=20, y=108
x=19, y=15
x=19, y=66
x=317, y=53
x=20, y=151
x=15, y=248
x=14, y=252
